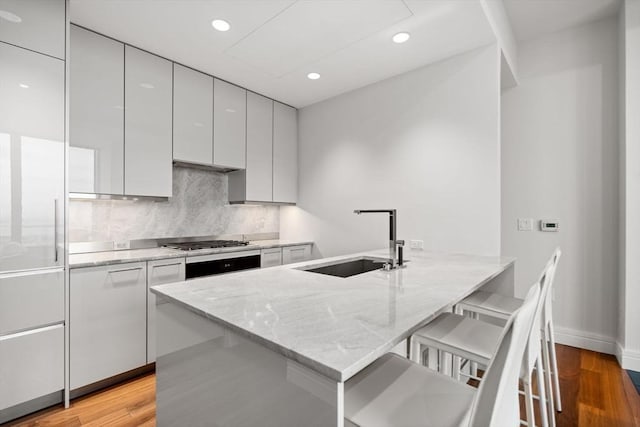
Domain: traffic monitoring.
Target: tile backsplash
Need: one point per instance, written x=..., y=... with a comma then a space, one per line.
x=199, y=207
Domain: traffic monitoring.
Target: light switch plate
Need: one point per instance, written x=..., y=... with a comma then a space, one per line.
x=525, y=224
x=416, y=244
x=122, y=244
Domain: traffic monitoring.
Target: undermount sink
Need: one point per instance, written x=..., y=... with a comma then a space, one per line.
x=349, y=268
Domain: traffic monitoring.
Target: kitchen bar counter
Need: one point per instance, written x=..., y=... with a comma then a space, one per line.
x=93, y=259
x=274, y=347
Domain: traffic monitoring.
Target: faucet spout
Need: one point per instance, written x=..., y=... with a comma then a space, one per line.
x=393, y=259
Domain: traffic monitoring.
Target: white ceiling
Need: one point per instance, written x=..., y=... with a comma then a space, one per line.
x=533, y=18
x=273, y=44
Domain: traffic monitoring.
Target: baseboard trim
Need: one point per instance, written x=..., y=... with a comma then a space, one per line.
x=628, y=359
x=585, y=340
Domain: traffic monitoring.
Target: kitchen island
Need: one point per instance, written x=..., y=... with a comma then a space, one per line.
x=274, y=347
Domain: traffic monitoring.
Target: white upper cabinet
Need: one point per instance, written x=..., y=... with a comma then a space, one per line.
x=259, y=148
x=285, y=153
x=192, y=116
x=96, y=118
x=147, y=127
x=31, y=160
x=38, y=25
x=229, y=125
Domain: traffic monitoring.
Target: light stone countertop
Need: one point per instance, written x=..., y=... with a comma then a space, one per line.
x=94, y=259
x=335, y=326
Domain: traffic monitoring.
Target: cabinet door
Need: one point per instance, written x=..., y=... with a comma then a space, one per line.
x=147, y=124
x=192, y=116
x=31, y=299
x=31, y=159
x=96, y=114
x=293, y=254
x=32, y=365
x=285, y=154
x=158, y=273
x=259, y=173
x=37, y=25
x=270, y=257
x=108, y=321
x=229, y=125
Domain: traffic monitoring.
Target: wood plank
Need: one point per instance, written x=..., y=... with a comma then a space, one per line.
x=595, y=392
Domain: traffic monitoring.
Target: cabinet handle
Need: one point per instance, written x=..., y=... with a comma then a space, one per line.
x=55, y=230
x=125, y=269
x=167, y=265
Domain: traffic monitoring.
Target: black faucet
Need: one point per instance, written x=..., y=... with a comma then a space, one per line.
x=393, y=242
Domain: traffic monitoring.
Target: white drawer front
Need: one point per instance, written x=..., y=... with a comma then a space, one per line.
x=165, y=271
x=158, y=273
x=30, y=300
x=270, y=257
x=31, y=365
x=108, y=324
x=293, y=254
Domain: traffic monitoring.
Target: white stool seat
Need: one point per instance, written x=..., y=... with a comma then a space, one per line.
x=470, y=338
x=490, y=303
x=393, y=391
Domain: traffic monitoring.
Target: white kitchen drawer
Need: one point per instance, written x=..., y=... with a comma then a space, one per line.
x=32, y=365
x=29, y=300
x=108, y=321
x=158, y=273
x=292, y=254
x=270, y=257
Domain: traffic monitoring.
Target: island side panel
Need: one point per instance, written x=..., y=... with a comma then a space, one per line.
x=503, y=283
x=209, y=376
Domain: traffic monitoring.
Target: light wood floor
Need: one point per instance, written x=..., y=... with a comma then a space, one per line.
x=595, y=392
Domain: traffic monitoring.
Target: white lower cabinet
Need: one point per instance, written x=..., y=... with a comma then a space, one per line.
x=270, y=257
x=31, y=364
x=158, y=273
x=108, y=321
x=292, y=254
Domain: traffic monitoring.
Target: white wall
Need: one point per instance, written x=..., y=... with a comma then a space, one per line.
x=630, y=333
x=425, y=143
x=560, y=161
x=499, y=21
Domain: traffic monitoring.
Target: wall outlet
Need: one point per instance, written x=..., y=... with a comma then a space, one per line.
x=416, y=244
x=122, y=244
x=525, y=224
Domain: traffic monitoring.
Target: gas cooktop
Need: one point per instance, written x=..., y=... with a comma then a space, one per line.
x=206, y=244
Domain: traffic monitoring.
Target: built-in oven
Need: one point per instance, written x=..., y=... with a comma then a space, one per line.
x=209, y=265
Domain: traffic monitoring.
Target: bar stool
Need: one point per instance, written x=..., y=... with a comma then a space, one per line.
x=476, y=341
x=500, y=306
x=394, y=391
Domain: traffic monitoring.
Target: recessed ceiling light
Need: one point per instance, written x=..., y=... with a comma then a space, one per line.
x=11, y=17
x=313, y=76
x=220, y=25
x=147, y=85
x=401, y=37
x=23, y=86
